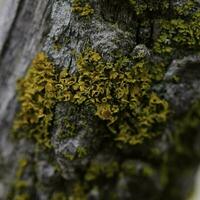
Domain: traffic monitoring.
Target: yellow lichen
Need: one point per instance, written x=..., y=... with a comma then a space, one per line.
x=122, y=95
x=36, y=95
x=83, y=9
x=180, y=32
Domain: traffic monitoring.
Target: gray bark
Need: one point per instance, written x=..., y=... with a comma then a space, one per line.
x=22, y=24
x=27, y=27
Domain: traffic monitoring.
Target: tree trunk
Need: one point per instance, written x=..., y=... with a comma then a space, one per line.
x=93, y=164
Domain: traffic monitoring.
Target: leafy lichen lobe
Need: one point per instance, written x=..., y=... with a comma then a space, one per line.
x=120, y=92
x=36, y=94
x=83, y=8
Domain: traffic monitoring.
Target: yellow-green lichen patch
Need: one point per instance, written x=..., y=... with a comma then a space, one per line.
x=143, y=7
x=120, y=93
x=36, y=95
x=82, y=8
x=183, y=31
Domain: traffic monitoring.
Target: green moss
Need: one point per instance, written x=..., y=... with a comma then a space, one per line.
x=82, y=8
x=36, y=95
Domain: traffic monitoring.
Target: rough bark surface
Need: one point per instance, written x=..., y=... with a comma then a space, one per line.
x=28, y=27
x=22, y=27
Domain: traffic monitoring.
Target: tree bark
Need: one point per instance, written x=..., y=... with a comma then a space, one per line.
x=54, y=27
